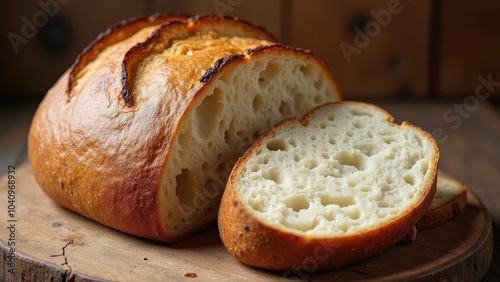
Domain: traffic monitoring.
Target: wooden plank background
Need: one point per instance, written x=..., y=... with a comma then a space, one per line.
x=427, y=48
x=431, y=48
x=379, y=57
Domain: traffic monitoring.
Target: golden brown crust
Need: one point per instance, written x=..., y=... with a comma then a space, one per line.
x=441, y=214
x=103, y=155
x=164, y=37
x=255, y=243
x=93, y=156
x=114, y=34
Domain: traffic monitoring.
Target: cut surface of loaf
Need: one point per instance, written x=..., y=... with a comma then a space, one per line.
x=450, y=200
x=142, y=132
x=345, y=181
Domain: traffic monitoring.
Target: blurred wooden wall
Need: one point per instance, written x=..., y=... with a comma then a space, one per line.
x=378, y=48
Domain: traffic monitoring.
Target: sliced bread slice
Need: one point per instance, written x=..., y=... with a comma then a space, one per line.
x=342, y=184
x=449, y=201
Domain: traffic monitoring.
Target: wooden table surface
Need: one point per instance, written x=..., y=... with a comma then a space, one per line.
x=468, y=138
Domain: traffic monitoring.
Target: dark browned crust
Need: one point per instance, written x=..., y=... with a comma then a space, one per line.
x=114, y=34
x=136, y=54
x=123, y=194
x=266, y=247
x=159, y=41
x=219, y=64
x=95, y=155
x=265, y=47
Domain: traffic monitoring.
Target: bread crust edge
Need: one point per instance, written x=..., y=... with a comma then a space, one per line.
x=255, y=243
x=441, y=214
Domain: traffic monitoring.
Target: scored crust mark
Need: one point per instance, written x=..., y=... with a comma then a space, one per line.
x=183, y=135
x=254, y=50
x=156, y=43
x=114, y=34
x=218, y=66
x=277, y=45
x=166, y=35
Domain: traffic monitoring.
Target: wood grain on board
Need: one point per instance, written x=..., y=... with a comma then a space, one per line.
x=55, y=244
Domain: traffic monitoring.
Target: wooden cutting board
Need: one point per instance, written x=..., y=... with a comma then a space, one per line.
x=54, y=244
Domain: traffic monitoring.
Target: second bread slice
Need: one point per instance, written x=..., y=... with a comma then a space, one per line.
x=340, y=185
x=450, y=200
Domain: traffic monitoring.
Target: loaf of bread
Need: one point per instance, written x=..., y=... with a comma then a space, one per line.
x=339, y=185
x=449, y=201
x=142, y=132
